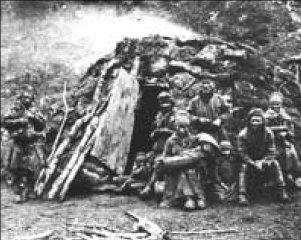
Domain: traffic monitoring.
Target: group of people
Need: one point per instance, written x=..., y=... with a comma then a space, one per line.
x=193, y=160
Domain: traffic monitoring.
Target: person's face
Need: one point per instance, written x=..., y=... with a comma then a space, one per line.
x=256, y=122
x=226, y=152
x=166, y=107
x=276, y=106
x=140, y=160
x=26, y=101
x=228, y=101
x=206, y=88
x=181, y=129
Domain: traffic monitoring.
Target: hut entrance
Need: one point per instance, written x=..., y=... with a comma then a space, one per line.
x=144, y=117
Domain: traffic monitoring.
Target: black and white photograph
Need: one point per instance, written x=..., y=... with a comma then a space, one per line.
x=150, y=120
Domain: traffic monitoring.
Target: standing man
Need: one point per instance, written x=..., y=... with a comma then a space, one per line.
x=25, y=155
x=256, y=148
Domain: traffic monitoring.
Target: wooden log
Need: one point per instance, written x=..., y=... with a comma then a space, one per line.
x=98, y=232
x=93, y=225
x=92, y=177
x=99, y=170
x=41, y=236
x=210, y=231
x=201, y=41
x=66, y=112
x=47, y=173
x=76, y=167
x=148, y=226
x=104, y=72
x=83, y=236
x=108, y=234
x=62, y=177
x=115, y=128
x=196, y=71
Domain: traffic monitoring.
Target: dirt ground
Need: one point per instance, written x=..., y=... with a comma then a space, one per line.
x=69, y=47
x=263, y=220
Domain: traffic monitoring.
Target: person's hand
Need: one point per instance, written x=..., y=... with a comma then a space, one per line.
x=204, y=120
x=217, y=122
x=283, y=134
x=258, y=165
x=29, y=114
x=224, y=186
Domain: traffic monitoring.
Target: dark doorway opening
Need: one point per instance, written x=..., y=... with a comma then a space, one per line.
x=144, y=117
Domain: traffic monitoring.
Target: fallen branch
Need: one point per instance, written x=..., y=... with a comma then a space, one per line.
x=41, y=236
x=107, y=234
x=213, y=231
x=93, y=225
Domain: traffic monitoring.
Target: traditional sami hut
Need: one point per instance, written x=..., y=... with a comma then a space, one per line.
x=115, y=102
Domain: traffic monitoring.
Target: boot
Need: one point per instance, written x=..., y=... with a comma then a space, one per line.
x=242, y=200
x=165, y=204
x=298, y=183
x=201, y=204
x=18, y=199
x=283, y=196
x=189, y=205
x=146, y=192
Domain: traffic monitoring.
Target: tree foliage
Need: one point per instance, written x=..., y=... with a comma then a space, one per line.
x=258, y=23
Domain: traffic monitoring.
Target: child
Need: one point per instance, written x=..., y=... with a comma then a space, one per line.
x=139, y=176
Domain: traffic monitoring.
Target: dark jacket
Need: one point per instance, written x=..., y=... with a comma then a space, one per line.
x=256, y=146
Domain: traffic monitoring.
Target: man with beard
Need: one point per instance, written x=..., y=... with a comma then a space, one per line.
x=256, y=148
x=25, y=155
x=208, y=110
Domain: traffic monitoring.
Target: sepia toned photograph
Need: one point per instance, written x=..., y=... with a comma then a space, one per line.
x=150, y=120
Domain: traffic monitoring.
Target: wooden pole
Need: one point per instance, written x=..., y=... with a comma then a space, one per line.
x=47, y=173
x=76, y=168
x=59, y=181
x=40, y=236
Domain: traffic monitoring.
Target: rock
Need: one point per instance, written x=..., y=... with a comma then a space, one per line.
x=236, y=54
x=158, y=67
x=183, y=53
x=208, y=56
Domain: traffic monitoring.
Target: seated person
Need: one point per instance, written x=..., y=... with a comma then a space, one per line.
x=256, y=148
x=208, y=110
x=225, y=178
x=181, y=183
x=139, y=176
x=282, y=126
